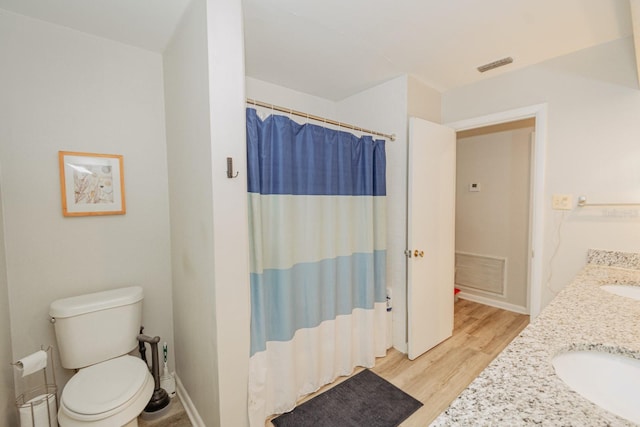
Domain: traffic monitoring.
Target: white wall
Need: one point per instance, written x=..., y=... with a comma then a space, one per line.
x=260, y=90
x=204, y=86
x=494, y=221
x=423, y=101
x=7, y=395
x=190, y=190
x=65, y=90
x=230, y=211
x=592, y=147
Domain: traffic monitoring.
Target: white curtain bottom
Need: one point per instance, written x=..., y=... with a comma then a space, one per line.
x=288, y=370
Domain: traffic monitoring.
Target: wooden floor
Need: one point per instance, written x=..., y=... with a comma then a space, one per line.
x=437, y=377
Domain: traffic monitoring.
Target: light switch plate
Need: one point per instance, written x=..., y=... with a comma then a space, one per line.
x=561, y=202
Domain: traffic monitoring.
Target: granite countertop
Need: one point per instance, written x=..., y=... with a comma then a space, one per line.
x=520, y=386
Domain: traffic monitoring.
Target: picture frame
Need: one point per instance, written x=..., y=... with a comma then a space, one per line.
x=91, y=184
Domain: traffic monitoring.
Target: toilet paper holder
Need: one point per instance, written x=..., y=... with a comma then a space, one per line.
x=38, y=406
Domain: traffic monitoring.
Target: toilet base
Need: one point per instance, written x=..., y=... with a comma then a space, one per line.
x=132, y=423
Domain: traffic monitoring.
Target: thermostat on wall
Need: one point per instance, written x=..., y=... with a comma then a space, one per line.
x=474, y=186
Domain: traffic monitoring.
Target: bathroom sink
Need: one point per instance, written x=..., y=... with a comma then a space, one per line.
x=623, y=290
x=611, y=381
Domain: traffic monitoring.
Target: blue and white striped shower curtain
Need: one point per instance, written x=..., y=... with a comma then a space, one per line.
x=317, y=224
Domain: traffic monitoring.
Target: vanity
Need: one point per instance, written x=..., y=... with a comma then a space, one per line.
x=521, y=386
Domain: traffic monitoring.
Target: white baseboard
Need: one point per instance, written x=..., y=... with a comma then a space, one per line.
x=493, y=303
x=189, y=407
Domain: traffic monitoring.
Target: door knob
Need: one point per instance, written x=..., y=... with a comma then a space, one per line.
x=418, y=253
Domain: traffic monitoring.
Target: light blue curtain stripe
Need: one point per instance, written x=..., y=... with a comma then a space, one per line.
x=285, y=157
x=339, y=226
x=315, y=292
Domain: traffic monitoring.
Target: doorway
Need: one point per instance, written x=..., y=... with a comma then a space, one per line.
x=493, y=205
x=538, y=149
x=418, y=294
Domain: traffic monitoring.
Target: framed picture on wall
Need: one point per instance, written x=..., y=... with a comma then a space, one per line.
x=91, y=184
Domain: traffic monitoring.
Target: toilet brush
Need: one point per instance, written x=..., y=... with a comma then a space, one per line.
x=167, y=381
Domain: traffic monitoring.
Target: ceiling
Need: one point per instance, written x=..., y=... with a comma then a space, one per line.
x=147, y=24
x=335, y=48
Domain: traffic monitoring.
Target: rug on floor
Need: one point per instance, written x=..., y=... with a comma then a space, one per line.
x=362, y=400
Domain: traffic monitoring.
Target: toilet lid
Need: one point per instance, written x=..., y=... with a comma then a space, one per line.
x=102, y=387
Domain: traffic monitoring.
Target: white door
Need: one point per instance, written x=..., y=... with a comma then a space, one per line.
x=431, y=235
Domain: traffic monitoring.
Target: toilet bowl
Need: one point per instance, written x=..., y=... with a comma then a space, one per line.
x=95, y=333
x=126, y=387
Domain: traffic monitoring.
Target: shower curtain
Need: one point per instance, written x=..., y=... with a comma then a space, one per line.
x=317, y=226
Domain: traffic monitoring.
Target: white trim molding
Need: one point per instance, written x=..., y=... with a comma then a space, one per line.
x=189, y=407
x=493, y=303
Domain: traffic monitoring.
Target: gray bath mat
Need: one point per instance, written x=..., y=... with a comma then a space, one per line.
x=363, y=400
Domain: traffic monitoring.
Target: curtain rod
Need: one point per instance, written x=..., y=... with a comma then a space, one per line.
x=392, y=137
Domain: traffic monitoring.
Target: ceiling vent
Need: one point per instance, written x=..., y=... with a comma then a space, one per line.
x=495, y=64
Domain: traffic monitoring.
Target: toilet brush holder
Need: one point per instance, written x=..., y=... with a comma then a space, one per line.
x=167, y=381
x=159, y=399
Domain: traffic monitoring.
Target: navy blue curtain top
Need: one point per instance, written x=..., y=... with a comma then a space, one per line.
x=285, y=157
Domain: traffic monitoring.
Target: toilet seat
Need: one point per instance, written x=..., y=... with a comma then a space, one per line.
x=120, y=386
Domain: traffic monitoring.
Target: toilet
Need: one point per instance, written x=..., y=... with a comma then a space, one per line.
x=95, y=332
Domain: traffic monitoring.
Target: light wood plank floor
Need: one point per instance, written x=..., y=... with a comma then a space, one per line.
x=437, y=377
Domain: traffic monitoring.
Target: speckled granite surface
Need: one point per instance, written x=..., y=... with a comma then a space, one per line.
x=520, y=387
x=614, y=259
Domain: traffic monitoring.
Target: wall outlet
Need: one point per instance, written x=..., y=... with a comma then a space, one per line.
x=561, y=202
x=474, y=186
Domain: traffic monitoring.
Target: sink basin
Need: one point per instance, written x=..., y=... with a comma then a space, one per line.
x=611, y=381
x=623, y=290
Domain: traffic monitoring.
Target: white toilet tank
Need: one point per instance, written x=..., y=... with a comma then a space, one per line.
x=96, y=327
